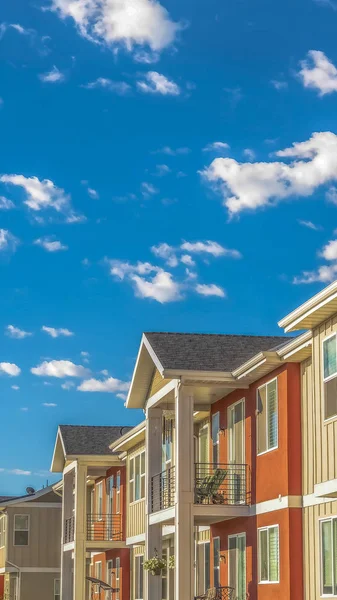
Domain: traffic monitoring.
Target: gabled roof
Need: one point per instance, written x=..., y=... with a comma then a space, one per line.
x=46, y=494
x=208, y=352
x=84, y=440
x=315, y=310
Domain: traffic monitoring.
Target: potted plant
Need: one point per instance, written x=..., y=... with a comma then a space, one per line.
x=155, y=564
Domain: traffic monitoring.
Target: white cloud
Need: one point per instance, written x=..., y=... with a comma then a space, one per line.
x=148, y=189
x=147, y=58
x=121, y=396
x=16, y=333
x=10, y=369
x=162, y=170
x=41, y=195
x=319, y=73
x=324, y=274
x=249, y=153
x=85, y=356
x=93, y=194
x=68, y=385
x=8, y=242
x=156, y=83
x=310, y=225
x=15, y=387
x=210, y=247
x=118, y=87
x=6, y=204
x=19, y=472
x=60, y=368
x=172, y=151
x=49, y=404
x=52, y=76
x=186, y=259
x=50, y=244
x=279, y=84
x=329, y=252
x=110, y=385
x=331, y=195
x=161, y=287
x=210, y=290
x=216, y=146
x=248, y=186
x=121, y=22
x=121, y=269
x=55, y=333
x=105, y=372
x=166, y=252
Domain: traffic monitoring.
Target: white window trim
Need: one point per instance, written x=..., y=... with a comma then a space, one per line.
x=257, y=426
x=326, y=379
x=206, y=428
x=3, y=520
x=117, y=579
x=98, y=562
x=217, y=537
x=118, y=492
x=55, y=580
x=110, y=495
x=133, y=481
x=217, y=443
x=99, y=515
x=320, y=521
x=259, y=555
x=243, y=401
x=135, y=582
x=237, y=535
x=14, y=530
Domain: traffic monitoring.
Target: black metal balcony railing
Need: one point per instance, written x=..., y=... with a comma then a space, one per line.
x=104, y=528
x=163, y=490
x=222, y=484
x=69, y=530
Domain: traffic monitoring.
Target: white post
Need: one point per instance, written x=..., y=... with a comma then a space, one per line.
x=153, y=466
x=80, y=532
x=184, y=520
x=66, y=556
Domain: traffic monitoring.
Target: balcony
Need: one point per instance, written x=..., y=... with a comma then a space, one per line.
x=220, y=490
x=104, y=528
x=69, y=530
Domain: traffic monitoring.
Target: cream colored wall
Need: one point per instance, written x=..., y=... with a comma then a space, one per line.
x=38, y=585
x=157, y=383
x=308, y=427
x=2, y=557
x=311, y=548
x=135, y=518
x=44, y=537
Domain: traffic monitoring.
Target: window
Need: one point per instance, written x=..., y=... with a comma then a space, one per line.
x=330, y=377
x=167, y=443
x=215, y=436
x=267, y=417
x=110, y=494
x=139, y=577
x=21, y=530
x=2, y=531
x=216, y=561
x=207, y=565
x=269, y=554
x=99, y=500
x=137, y=477
x=57, y=589
x=118, y=492
x=109, y=573
x=237, y=564
x=328, y=557
x=203, y=445
x=98, y=575
x=117, y=577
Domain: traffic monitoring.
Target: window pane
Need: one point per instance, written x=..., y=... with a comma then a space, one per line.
x=242, y=567
x=132, y=467
x=21, y=538
x=232, y=562
x=272, y=415
x=142, y=466
x=273, y=554
x=330, y=398
x=261, y=420
x=327, y=557
x=215, y=427
x=329, y=356
x=137, y=477
x=203, y=445
x=207, y=559
x=142, y=486
x=263, y=554
x=21, y=522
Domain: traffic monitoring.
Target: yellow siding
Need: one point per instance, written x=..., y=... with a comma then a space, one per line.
x=311, y=518
x=204, y=536
x=135, y=519
x=2, y=557
x=157, y=383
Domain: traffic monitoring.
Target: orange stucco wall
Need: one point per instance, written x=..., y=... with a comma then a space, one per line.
x=113, y=471
x=124, y=555
x=2, y=583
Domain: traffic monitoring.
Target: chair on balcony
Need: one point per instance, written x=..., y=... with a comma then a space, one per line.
x=208, y=488
x=217, y=593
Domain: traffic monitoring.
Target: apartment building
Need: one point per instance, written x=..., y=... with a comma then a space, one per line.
x=30, y=536
x=93, y=490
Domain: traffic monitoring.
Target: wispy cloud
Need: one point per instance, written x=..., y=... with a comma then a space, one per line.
x=110, y=385
x=60, y=369
x=6, y=204
x=10, y=369
x=16, y=333
x=210, y=290
x=52, y=76
x=156, y=83
x=310, y=225
x=210, y=247
x=118, y=87
x=8, y=241
x=172, y=151
x=216, y=147
x=49, y=404
x=319, y=73
x=50, y=244
x=279, y=84
x=55, y=333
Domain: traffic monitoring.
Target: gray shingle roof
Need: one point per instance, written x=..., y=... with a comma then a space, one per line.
x=209, y=352
x=6, y=498
x=90, y=439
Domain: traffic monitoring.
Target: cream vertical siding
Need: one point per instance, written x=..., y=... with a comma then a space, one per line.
x=308, y=433
x=135, y=518
x=2, y=557
x=157, y=383
x=311, y=549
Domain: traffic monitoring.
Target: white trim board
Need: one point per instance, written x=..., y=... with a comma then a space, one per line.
x=135, y=540
x=40, y=505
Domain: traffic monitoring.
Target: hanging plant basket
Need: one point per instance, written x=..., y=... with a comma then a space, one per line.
x=155, y=565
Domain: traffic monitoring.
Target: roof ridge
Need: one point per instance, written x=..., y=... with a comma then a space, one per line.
x=96, y=426
x=250, y=335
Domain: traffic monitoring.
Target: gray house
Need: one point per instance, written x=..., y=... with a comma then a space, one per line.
x=30, y=541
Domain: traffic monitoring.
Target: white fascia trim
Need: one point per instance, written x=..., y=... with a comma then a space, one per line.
x=128, y=437
x=69, y=467
x=143, y=344
x=252, y=362
x=152, y=353
x=58, y=435
x=158, y=396
x=251, y=369
x=135, y=540
x=41, y=505
x=326, y=488
x=167, y=514
x=291, y=320
x=295, y=345
x=312, y=500
x=221, y=376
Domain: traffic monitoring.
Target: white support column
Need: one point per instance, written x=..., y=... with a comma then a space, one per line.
x=153, y=466
x=184, y=519
x=80, y=532
x=66, y=557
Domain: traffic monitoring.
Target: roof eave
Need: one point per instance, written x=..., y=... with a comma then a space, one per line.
x=137, y=393
x=131, y=438
x=295, y=320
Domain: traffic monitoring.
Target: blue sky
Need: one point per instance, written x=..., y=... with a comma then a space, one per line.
x=164, y=166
